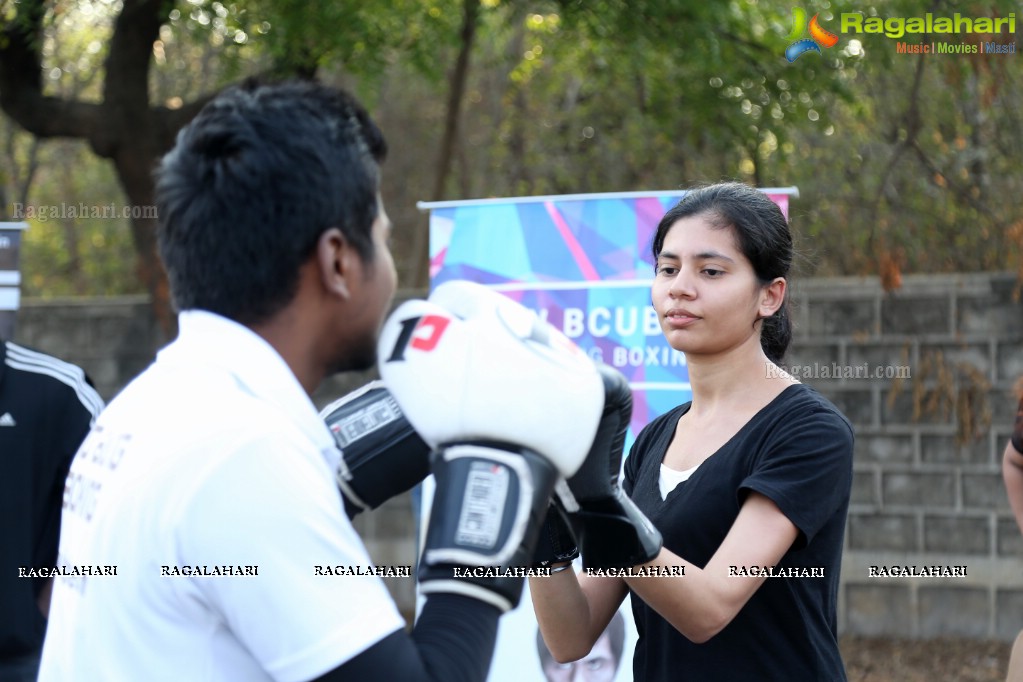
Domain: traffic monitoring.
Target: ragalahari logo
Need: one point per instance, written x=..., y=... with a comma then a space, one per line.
x=819, y=36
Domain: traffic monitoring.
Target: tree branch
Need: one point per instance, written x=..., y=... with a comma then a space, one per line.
x=21, y=83
x=913, y=125
x=126, y=86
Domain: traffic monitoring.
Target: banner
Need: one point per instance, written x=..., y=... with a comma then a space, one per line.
x=10, y=276
x=583, y=262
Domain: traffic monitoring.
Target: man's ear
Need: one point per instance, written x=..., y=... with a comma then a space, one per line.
x=338, y=262
x=772, y=296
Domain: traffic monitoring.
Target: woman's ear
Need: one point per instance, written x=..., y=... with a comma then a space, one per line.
x=772, y=296
x=337, y=262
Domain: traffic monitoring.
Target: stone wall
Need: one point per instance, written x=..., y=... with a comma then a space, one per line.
x=925, y=373
x=926, y=376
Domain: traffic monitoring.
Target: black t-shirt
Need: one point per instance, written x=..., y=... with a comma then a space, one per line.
x=46, y=408
x=797, y=451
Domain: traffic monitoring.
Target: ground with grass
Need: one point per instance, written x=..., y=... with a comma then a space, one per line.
x=935, y=660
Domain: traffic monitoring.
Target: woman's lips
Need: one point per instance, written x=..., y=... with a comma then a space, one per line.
x=680, y=319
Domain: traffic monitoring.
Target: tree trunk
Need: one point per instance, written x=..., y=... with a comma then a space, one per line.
x=123, y=128
x=459, y=77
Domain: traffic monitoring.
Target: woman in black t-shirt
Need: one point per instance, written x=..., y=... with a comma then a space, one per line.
x=748, y=483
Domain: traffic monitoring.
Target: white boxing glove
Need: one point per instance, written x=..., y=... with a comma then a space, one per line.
x=509, y=405
x=471, y=364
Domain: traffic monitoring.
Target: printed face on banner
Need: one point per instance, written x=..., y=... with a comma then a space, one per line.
x=583, y=262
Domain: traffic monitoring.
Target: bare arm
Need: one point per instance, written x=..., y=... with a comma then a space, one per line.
x=703, y=601
x=1012, y=468
x=1012, y=473
x=573, y=610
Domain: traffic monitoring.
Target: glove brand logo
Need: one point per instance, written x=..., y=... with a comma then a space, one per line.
x=422, y=333
x=819, y=36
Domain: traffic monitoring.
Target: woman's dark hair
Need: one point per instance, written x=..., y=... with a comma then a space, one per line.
x=761, y=233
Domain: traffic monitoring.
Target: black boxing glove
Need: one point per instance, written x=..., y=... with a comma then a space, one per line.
x=381, y=454
x=557, y=541
x=485, y=519
x=612, y=531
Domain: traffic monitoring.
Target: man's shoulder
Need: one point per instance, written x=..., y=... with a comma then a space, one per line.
x=41, y=374
x=26, y=358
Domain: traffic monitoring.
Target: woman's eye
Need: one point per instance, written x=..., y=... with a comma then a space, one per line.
x=666, y=270
x=712, y=272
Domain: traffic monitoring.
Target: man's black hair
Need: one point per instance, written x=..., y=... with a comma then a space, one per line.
x=251, y=184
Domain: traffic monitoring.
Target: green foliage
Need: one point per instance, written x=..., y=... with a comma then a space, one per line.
x=914, y=168
x=904, y=162
x=64, y=253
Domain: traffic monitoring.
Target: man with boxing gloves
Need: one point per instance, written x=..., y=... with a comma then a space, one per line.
x=200, y=503
x=383, y=456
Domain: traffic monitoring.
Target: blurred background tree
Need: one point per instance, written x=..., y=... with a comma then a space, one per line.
x=905, y=163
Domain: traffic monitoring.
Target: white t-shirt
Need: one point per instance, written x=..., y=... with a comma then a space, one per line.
x=670, y=478
x=214, y=457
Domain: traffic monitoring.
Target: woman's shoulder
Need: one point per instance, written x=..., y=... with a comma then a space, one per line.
x=803, y=403
x=806, y=397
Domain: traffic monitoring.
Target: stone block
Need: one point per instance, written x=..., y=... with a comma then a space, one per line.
x=130, y=366
x=60, y=334
x=880, y=361
x=881, y=532
x=1008, y=614
x=879, y=609
x=809, y=353
x=800, y=316
x=953, y=611
x=996, y=315
x=864, y=488
x=1003, y=403
x=885, y=449
x=957, y=534
x=857, y=405
x=1009, y=537
x=800, y=356
x=1009, y=360
x=107, y=375
x=841, y=318
x=915, y=315
x=962, y=360
x=916, y=488
x=984, y=491
x=902, y=407
x=945, y=450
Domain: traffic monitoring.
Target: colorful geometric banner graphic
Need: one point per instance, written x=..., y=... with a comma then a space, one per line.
x=583, y=263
